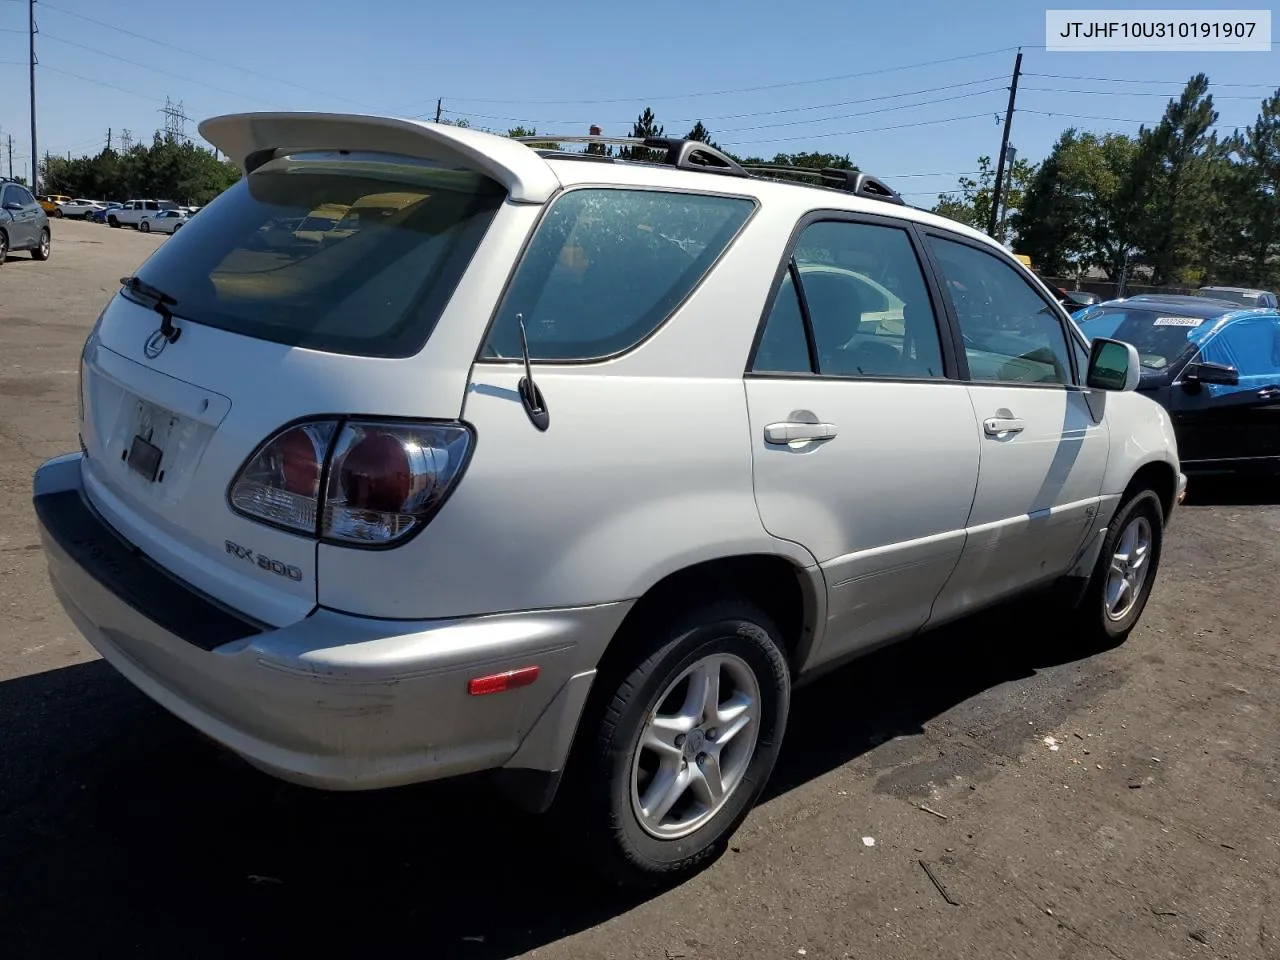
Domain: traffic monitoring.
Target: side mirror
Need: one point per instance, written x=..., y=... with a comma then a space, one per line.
x=1211, y=373
x=1113, y=365
x=13, y=206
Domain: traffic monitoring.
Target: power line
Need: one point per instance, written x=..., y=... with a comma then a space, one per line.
x=865, y=113
x=753, y=89
x=1179, y=83
x=743, y=116
x=1087, y=116
x=167, y=73
x=850, y=133
x=201, y=56
x=1132, y=93
x=812, y=120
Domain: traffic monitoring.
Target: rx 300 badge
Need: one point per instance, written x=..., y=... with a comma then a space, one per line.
x=264, y=563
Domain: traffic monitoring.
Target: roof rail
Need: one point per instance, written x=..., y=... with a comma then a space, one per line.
x=847, y=181
x=680, y=153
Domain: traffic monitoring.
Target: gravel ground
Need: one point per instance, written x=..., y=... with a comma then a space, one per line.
x=1149, y=829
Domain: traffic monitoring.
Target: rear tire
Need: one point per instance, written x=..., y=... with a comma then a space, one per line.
x=655, y=800
x=57, y=213
x=1125, y=573
x=41, y=250
x=114, y=221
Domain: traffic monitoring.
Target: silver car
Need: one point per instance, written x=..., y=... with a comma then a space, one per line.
x=23, y=223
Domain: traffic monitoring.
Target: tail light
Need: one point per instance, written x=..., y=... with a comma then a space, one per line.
x=353, y=482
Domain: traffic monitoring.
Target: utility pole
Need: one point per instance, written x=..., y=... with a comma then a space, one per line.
x=439, y=108
x=108, y=138
x=11, y=156
x=31, y=50
x=1004, y=145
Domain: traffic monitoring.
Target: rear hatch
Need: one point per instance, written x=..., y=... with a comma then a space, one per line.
x=275, y=324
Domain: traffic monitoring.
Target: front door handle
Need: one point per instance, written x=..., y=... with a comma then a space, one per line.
x=1269, y=393
x=790, y=430
x=999, y=426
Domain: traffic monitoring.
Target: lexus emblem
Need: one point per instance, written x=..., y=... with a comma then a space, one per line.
x=155, y=345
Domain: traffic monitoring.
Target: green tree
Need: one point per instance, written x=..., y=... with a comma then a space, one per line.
x=1179, y=155
x=973, y=205
x=535, y=144
x=646, y=126
x=168, y=169
x=1258, y=189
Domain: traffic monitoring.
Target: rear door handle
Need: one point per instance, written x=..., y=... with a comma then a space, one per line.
x=999, y=426
x=789, y=430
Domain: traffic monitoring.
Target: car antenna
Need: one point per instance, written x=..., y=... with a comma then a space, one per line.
x=534, y=403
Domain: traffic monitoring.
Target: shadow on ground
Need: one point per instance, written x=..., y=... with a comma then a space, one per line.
x=1228, y=491
x=123, y=833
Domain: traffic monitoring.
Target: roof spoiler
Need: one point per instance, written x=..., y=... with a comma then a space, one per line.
x=251, y=139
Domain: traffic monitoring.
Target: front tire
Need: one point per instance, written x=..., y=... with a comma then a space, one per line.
x=114, y=221
x=679, y=747
x=41, y=250
x=145, y=226
x=1125, y=572
x=4, y=247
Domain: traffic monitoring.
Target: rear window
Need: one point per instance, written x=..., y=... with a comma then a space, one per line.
x=1161, y=338
x=606, y=267
x=371, y=283
x=1232, y=296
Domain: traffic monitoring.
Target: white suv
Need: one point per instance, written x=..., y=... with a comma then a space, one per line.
x=136, y=213
x=570, y=467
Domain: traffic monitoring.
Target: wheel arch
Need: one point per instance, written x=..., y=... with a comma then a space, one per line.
x=793, y=596
x=1158, y=476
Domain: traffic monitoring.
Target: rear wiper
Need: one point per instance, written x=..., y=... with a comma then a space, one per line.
x=161, y=306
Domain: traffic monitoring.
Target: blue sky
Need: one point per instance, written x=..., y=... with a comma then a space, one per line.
x=827, y=78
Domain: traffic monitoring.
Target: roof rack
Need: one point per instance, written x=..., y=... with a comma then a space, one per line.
x=696, y=155
x=847, y=181
x=683, y=154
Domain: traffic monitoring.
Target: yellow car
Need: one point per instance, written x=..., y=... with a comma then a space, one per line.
x=52, y=204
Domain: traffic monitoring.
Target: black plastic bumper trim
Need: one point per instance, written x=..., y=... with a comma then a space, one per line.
x=132, y=576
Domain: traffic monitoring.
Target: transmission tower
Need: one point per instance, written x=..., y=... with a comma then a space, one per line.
x=175, y=120
x=126, y=140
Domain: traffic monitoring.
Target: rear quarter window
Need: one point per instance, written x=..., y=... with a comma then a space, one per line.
x=606, y=268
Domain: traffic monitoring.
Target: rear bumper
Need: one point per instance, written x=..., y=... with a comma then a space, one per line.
x=332, y=701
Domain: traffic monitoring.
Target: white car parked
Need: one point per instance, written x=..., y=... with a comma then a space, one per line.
x=569, y=467
x=166, y=221
x=80, y=208
x=133, y=213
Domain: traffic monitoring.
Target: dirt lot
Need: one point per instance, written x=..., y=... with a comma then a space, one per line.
x=1152, y=831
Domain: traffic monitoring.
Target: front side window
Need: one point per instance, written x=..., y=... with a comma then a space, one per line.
x=606, y=267
x=1252, y=347
x=865, y=302
x=1011, y=334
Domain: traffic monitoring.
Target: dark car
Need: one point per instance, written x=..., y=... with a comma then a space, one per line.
x=1213, y=365
x=100, y=216
x=23, y=223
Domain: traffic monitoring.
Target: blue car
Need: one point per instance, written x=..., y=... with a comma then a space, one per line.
x=1213, y=365
x=100, y=216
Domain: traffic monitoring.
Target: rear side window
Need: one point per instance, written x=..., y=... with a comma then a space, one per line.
x=865, y=302
x=402, y=232
x=606, y=267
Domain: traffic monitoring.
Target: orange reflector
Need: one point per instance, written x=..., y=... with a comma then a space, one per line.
x=501, y=682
